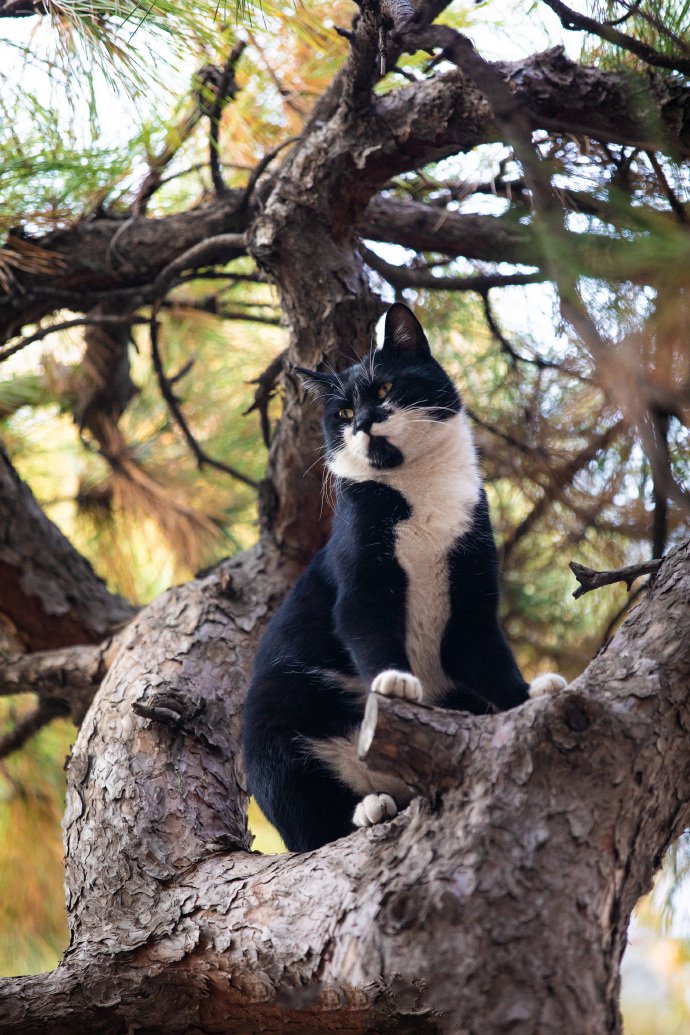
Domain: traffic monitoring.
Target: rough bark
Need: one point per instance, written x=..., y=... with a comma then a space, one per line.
x=68, y=676
x=497, y=902
x=50, y=596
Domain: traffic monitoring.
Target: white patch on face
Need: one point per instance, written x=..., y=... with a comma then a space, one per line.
x=352, y=461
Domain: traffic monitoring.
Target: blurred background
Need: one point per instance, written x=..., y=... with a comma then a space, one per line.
x=82, y=126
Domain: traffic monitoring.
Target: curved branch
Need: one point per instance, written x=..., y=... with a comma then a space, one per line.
x=404, y=276
x=605, y=30
x=29, y=725
x=70, y=675
x=201, y=456
x=65, y=325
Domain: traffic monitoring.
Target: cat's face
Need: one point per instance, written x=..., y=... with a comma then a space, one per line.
x=391, y=409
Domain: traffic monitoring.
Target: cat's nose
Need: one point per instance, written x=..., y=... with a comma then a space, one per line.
x=363, y=420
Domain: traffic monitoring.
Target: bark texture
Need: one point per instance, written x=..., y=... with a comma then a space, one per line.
x=537, y=832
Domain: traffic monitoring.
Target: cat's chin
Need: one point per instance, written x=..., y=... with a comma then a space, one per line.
x=363, y=456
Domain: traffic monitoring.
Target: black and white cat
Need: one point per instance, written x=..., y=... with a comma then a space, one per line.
x=402, y=600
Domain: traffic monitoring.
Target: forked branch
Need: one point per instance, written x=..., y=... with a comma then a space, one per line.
x=590, y=579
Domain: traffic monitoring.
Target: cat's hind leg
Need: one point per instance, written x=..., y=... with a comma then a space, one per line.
x=299, y=794
x=375, y=808
x=383, y=794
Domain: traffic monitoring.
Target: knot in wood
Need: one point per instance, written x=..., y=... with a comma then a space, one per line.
x=168, y=708
x=576, y=717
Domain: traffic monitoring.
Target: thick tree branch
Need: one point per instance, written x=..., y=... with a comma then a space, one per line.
x=407, y=129
x=581, y=791
x=425, y=228
x=69, y=676
x=50, y=594
x=110, y=258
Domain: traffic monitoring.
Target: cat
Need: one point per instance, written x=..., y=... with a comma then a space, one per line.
x=401, y=601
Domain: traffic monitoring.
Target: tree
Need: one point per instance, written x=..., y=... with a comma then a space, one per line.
x=500, y=899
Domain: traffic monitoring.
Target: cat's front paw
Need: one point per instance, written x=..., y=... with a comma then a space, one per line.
x=375, y=808
x=549, y=683
x=393, y=683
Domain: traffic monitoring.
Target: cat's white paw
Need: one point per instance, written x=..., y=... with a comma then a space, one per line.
x=375, y=808
x=392, y=683
x=549, y=683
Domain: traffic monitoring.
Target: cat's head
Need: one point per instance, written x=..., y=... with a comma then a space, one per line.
x=391, y=409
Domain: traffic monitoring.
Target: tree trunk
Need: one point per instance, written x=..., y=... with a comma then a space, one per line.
x=499, y=901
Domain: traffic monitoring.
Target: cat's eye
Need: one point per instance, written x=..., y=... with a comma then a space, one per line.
x=384, y=389
x=346, y=413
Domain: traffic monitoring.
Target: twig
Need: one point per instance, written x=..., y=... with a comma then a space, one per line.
x=174, y=140
x=624, y=17
x=65, y=325
x=560, y=479
x=266, y=384
x=674, y=201
x=590, y=579
x=404, y=276
x=225, y=90
x=515, y=356
x=29, y=725
x=202, y=458
x=260, y=169
x=214, y=307
x=572, y=20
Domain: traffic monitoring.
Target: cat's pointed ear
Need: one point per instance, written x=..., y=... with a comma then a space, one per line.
x=316, y=383
x=403, y=333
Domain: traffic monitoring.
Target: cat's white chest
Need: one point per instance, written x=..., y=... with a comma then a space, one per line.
x=442, y=495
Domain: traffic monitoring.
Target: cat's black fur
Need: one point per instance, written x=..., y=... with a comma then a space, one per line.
x=347, y=619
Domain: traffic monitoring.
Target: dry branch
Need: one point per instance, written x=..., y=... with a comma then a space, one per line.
x=571, y=19
x=590, y=579
x=29, y=725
